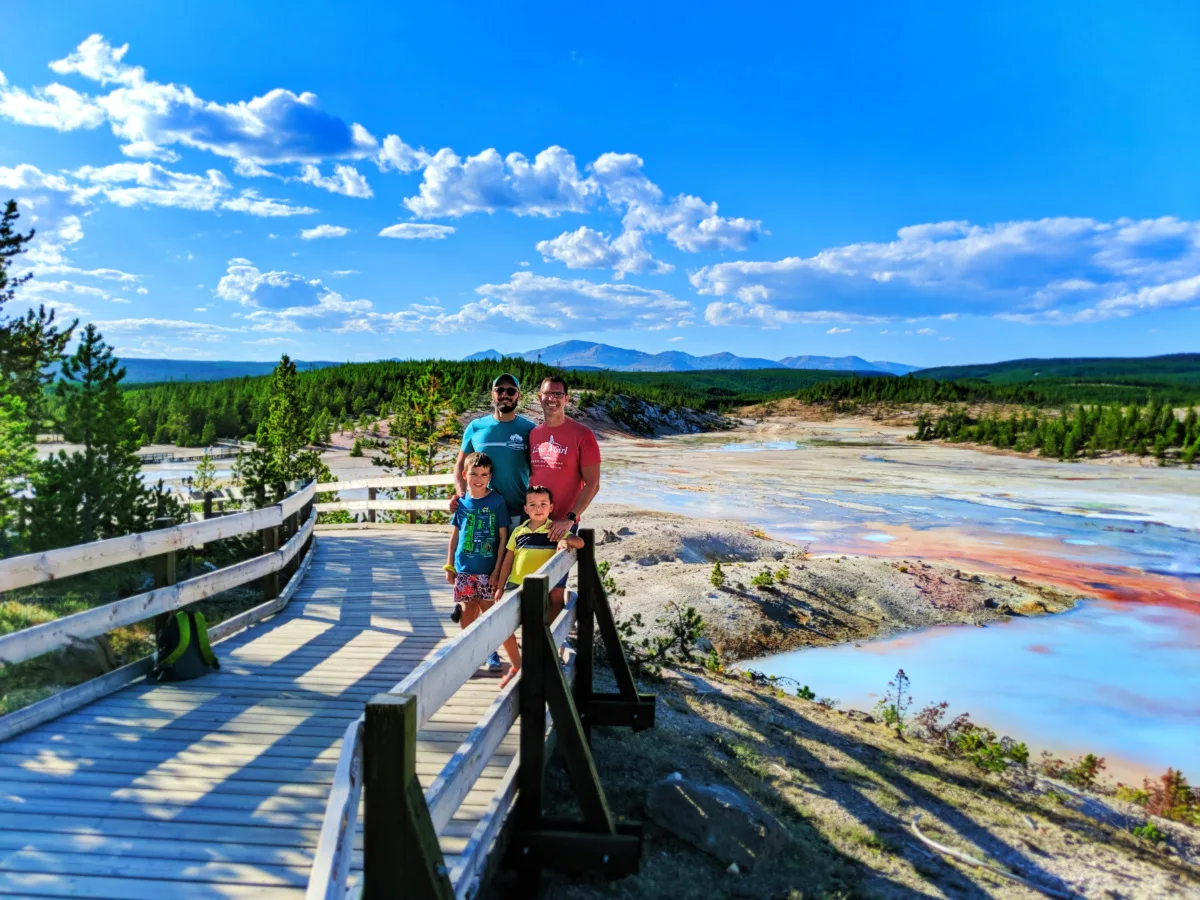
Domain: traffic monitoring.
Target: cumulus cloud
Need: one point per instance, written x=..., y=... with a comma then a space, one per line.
x=287, y=302
x=151, y=116
x=417, y=231
x=397, y=155
x=536, y=303
x=149, y=184
x=324, y=231
x=487, y=182
x=53, y=205
x=1060, y=270
x=586, y=248
x=688, y=222
x=346, y=180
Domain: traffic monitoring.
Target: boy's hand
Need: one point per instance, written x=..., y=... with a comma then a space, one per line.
x=449, y=577
x=497, y=592
x=563, y=545
x=453, y=504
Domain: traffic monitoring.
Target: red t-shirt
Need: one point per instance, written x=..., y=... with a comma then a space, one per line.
x=557, y=456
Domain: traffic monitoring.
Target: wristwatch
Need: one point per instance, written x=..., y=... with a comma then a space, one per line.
x=572, y=516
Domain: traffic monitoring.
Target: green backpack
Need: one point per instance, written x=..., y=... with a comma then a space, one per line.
x=183, y=651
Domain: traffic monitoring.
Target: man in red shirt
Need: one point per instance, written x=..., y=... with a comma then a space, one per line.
x=564, y=457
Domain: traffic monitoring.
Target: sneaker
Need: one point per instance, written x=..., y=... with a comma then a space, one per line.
x=493, y=663
x=456, y=615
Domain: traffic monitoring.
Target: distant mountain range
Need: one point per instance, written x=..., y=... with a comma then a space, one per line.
x=139, y=370
x=588, y=355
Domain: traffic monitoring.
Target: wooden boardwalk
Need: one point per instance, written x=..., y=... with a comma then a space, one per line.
x=217, y=787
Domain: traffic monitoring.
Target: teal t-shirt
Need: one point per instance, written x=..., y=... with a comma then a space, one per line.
x=479, y=523
x=507, y=444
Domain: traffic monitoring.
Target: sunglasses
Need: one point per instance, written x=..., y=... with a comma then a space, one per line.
x=550, y=395
x=505, y=391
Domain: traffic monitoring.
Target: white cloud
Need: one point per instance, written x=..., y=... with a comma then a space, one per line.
x=535, y=303
x=688, y=222
x=454, y=187
x=54, y=106
x=287, y=302
x=676, y=338
x=345, y=180
x=586, y=248
x=926, y=331
x=271, y=341
x=397, y=155
x=201, y=309
x=149, y=184
x=836, y=330
x=417, y=231
x=119, y=300
x=342, y=273
x=324, y=231
x=151, y=116
x=1049, y=270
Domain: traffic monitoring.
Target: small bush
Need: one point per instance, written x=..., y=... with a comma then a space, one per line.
x=1148, y=832
x=763, y=580
x=356, y=450
x=683, y=627
x=712, y=662
x=1084, y=772
x=806, y=693
x=1171, y=798
x=607, y=581
x=893, y=708
x=782, y=574
x=717, y=578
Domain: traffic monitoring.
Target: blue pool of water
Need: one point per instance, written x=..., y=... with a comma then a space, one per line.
x=1119, y=680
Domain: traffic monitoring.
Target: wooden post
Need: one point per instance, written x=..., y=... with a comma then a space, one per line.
x=412, y=513
x=535, y=608
x=401, y=856
x=163, y=569
x=270, y=582
x=585, y=624
x=208, y=504
x=370, y=512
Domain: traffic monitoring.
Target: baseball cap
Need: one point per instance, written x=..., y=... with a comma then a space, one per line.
x=506, y=377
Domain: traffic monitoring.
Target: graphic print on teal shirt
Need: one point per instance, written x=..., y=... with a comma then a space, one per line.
x=507, y=443
x=479, y=522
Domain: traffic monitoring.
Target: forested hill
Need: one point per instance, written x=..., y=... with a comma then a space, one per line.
x=195, y=413
x=1179, y=368
x=154, y=370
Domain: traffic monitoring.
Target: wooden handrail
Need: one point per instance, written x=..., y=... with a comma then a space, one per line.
x=38, y=639
x=433, y=682
x=387, y=482
x=36, y=568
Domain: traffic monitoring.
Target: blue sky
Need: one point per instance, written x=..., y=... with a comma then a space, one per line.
x=935, y=184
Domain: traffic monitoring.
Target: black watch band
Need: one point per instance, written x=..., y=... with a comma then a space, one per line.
x=572, y=516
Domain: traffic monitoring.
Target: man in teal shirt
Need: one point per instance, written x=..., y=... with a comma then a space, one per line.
x=503, y=436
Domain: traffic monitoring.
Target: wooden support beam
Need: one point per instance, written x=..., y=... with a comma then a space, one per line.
x=401, y=856
x=585, y=628
x=208, y=505
x=270, y=582
x=535, y=607
x=370, y=511
x=612, y=640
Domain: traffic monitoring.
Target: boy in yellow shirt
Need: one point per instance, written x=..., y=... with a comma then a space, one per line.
x=528, y=549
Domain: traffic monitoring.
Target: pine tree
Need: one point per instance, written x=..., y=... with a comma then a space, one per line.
x=31, y=346
x=17, y=463
x=280, y=456
x=205, y=478
x=96, y=492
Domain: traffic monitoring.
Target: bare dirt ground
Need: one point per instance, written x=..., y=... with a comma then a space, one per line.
x=659, y=558
x=847, y=791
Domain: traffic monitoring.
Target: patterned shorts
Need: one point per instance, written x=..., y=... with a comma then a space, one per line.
x=470, y=588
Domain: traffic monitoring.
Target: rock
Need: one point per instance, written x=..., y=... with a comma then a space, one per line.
x=704, y=645
x=624, y=532
x=859, y=716
x=648, y=561
x=608, y=537
x=733, y=869
x=82, y=660
x=716, y=819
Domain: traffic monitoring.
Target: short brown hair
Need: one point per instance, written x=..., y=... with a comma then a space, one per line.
x=539, y=489
x=553, y=379
x=478, y=459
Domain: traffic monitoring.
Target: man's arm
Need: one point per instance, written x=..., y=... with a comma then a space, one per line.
x=460, y=480
x=591, y=486
x=450, y=555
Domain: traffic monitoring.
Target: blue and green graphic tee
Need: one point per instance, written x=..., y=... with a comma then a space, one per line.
x=507, y=443
x=479, y=523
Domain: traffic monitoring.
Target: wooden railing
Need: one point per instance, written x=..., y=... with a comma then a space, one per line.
x=373, y=503
x=378, y=756
x=286, y=529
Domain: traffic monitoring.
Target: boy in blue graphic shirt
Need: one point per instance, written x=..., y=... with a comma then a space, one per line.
x=477, y=546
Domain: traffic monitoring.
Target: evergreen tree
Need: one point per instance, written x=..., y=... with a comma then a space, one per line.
x=281, y=455
x=205, y=478
x=96, y=492
x=17, y=462
x=31, y=346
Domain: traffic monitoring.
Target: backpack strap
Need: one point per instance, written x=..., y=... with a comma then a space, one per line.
x=185, y=638
x=202, y=644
